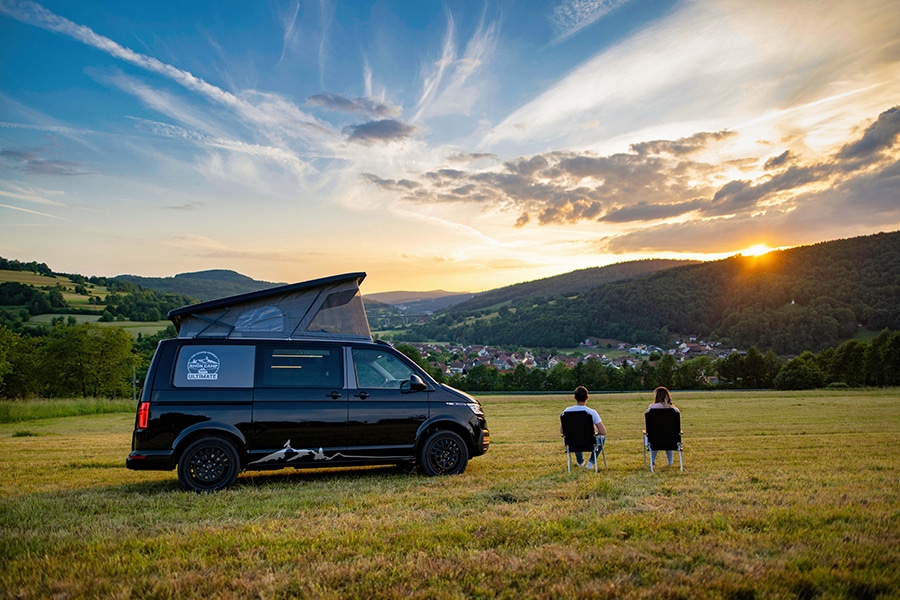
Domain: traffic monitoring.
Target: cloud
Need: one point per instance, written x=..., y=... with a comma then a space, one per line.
x=340, y=103
x=683, y=146
x=269, y=113
x=664, y=183
x=30, y=162
x=779, y=161
x=385, y=130
x=708, y=63
x=25, y=210
x=447, y=86
x=878, y=137
x=394, y=185
x=571, y=16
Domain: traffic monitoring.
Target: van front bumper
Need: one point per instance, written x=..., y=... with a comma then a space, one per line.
x=484, y=441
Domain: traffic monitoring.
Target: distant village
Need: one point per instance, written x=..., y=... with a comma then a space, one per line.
x=617, y=355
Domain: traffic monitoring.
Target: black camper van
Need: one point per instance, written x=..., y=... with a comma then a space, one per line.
x=290, y=377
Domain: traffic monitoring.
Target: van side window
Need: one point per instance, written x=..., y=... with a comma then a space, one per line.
x=379, y=369
x=213, y=366
x=301, y=367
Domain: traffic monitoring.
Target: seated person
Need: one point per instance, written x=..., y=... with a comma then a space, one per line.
x=581, y=398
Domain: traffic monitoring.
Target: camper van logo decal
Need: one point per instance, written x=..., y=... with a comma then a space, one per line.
x=203, y=366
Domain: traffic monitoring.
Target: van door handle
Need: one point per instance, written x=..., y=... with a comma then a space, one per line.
x=334, y=395
x=361, y=395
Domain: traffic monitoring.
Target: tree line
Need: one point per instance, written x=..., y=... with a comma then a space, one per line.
x=854, y=363
x=90, y=360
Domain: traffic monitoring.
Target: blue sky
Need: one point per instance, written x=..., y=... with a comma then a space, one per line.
x=459, y=146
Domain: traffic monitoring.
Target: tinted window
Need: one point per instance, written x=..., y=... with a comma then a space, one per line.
x=379, y=369
x=301, y=367
x=211, y=366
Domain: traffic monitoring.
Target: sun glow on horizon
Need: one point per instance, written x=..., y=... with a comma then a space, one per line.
x=756, y=250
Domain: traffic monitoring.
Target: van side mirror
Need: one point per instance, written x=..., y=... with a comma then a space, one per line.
x=414, y=384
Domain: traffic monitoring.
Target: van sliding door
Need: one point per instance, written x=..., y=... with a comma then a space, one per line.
x=299, y=406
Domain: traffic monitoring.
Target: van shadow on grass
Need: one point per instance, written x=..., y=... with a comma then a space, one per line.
x=248, y=480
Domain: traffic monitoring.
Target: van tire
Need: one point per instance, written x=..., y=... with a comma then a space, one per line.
x=443, y=453
x=209, y=464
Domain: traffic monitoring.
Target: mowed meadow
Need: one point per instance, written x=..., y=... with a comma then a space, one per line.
x=783, y=495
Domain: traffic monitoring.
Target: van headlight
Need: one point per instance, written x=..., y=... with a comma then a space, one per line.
x=475, y=408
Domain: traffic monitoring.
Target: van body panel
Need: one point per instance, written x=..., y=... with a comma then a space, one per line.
x=291, y=427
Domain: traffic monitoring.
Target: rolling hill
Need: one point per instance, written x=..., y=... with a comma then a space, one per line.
x=805, y=298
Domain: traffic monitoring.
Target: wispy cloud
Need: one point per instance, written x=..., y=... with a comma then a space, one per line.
x=571, y=16
x=26, y=210
x=446, y=85
x=262, y=110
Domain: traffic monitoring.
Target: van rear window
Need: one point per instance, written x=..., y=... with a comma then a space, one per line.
x=212, y=366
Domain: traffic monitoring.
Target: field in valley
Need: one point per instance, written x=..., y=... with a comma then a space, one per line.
x=784, y=495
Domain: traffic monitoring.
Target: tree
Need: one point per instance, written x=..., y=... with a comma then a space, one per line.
x=801, y=373
x=691, y=374
x=730, y=370
x=482, y=378
x=754, y=369
x=8, y=342
x=560, y=378
x=664, y=372
x=86, y=360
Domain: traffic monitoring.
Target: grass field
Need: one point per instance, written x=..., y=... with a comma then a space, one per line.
x=68, y=287
x=132, y=327
x=784, y=495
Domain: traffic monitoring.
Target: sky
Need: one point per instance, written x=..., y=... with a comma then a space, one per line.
x=460, y=146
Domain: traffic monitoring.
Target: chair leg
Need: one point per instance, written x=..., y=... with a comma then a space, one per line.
x=680, y=461
x=568, y=460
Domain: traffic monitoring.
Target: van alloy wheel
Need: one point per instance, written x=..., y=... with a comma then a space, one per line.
x=208, y=464
x=444, y=453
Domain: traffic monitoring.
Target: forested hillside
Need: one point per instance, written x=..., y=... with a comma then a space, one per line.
x=575, y=282
x=203, y=285
x=805, y=298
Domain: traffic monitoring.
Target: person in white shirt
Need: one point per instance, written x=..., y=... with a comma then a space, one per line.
x=662, y=399
x=581, y=398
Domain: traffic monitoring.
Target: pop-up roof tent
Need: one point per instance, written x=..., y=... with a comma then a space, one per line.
x=328, y=307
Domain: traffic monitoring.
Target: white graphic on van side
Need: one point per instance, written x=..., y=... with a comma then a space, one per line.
x=203, y=365
x=287, y=454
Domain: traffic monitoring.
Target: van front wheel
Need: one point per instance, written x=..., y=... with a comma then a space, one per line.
x=209, y=464
x=444, y=453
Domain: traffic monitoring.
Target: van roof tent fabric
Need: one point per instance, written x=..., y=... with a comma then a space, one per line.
x=328, y=307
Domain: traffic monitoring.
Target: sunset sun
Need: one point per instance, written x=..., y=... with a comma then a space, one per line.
x=756, y=250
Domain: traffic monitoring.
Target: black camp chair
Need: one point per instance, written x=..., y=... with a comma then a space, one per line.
x=578, y=436
x=663, y=432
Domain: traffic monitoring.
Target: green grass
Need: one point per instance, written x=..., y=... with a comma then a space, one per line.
x=784, y=495
x=17, y=411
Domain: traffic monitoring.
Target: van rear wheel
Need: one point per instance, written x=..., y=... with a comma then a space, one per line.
x=209, y=464
x=444, y=453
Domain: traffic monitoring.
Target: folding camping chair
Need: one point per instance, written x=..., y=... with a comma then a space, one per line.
x=578, y=436
x=662, y=433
